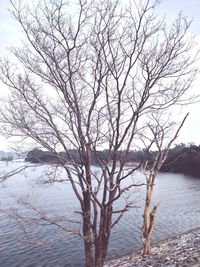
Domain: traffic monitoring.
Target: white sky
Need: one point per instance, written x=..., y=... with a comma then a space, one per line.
x=10, y=35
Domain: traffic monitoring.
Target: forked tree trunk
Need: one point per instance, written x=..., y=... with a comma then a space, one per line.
x=148, y=222
x=95, y=254
x=147, y=246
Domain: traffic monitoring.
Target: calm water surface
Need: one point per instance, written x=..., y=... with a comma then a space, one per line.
x=179, y=211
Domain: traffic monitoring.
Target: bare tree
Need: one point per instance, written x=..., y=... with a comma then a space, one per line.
x=163, y=143
x=94, y=80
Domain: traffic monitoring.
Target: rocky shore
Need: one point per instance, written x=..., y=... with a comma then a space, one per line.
x=180, y=251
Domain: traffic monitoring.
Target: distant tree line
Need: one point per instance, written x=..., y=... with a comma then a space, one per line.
x=39, y=156
x=181, y=159
x=8, y=158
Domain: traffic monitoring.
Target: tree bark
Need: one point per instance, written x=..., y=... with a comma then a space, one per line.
x=101, y=244
x=148, y=223
x=147, y=246
x=88, y=244
x=101, y=250
x=89, y=260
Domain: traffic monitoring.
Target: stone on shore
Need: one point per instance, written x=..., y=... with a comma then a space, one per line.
x=180, y=251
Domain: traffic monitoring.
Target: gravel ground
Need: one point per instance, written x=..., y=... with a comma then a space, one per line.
x=181, y=251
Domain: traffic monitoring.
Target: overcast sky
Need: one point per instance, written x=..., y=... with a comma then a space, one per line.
x=10, y=35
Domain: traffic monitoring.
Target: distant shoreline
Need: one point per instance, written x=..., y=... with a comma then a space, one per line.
x=181, y=159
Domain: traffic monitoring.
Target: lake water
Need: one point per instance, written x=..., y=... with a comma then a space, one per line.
x=179, y=211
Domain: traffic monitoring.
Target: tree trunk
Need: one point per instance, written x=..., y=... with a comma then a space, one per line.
x=89, y=260
x=146, y=245
x=148, y=222
x=145, y=235
x=101, y=244
x=87, y=231
x=101, y=250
